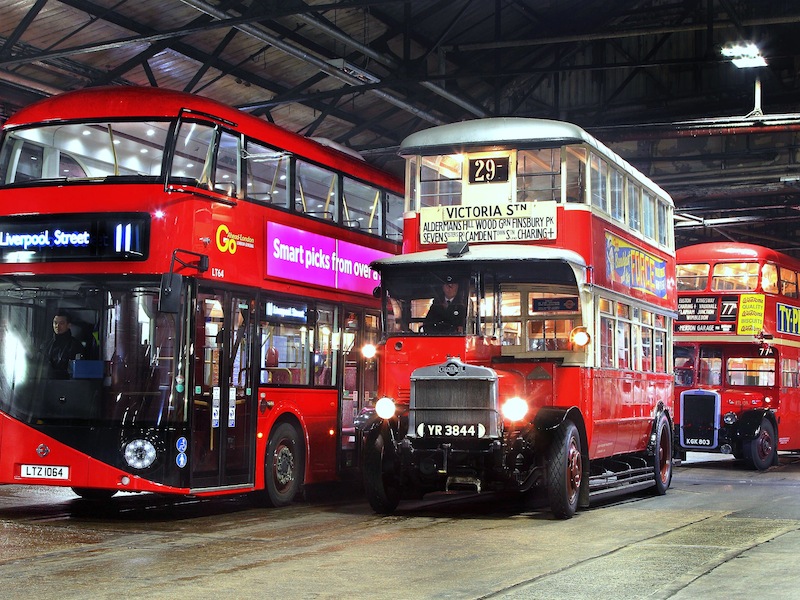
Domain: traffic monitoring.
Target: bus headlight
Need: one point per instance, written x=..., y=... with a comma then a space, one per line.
x=385, y=408
x=369, y=351
x=580, y=337
x=514, y=409
x=729, y=418
x=140, y=454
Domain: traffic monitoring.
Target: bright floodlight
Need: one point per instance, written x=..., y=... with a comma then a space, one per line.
x=744, y=55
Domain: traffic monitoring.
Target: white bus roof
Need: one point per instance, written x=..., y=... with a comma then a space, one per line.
x=511, y=132
x=508, y=253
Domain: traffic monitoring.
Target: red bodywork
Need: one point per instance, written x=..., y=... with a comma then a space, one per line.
x=199, y=221
x=779, y=337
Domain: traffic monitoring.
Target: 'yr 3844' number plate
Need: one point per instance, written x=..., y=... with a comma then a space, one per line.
x=464, y=431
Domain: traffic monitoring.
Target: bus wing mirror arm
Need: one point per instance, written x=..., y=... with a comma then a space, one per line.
x=169, y=295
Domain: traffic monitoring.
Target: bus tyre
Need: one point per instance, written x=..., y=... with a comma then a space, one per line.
x=564, y=470
x=662, y=455
x=94, y=493
x=760, y=452
x=381, y=477
x=284, y=465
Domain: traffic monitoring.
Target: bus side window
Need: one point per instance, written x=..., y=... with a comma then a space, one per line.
x=191, y=164
x=266, y=170
x=317, y=191
x=226, y=173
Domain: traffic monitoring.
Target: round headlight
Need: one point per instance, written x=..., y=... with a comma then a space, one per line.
x=729, y=418
x=514, y=409
x=385, y=408
x=580, y=337
x=369, y=351
x=140, y=454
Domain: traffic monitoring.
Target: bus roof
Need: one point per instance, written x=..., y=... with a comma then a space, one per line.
x=511, y=132
x=733, y=252
x=139, y=102
x=508, y=253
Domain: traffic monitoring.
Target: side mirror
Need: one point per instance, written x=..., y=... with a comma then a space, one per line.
x=169, y=294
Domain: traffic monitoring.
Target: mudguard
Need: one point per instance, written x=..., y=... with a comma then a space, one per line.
x=660, y=410
x=749, y=423
x=550, y=417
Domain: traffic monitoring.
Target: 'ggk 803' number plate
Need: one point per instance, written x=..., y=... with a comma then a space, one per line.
x=464, y=431
x=43, y=472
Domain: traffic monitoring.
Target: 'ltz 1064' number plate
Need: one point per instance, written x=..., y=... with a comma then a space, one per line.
x=43, y=472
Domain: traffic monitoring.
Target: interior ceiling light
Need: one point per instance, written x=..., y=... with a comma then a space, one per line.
x=744, y=55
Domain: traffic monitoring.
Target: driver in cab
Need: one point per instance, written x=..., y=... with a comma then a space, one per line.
x=447, y=313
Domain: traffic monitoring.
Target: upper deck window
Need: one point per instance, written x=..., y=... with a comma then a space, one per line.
x=735, y=277
x=692, y=277
x=663, y=224
x=769, y=278
x=267, y=170
x=788, y=283
x=539, y=175
x=72, y=151
x=575, y=173
x=617, y=196
x=648, y=215
x=317, y=191
x=440, y=180
x=599, y=182
x=193, y=152
x=362, y=206
x=634, y=206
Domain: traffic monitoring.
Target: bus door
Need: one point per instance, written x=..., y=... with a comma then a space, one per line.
x=222, y=395
x=359, y=377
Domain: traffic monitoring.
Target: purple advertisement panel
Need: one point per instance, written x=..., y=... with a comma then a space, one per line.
x=312, y=258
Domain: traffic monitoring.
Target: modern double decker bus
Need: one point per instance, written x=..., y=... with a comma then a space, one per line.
x=528, y=321
x=737, y=347
x=183, y=290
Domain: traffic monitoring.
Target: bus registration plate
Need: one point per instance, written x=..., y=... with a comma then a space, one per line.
x=462, y=431
x=44, y=472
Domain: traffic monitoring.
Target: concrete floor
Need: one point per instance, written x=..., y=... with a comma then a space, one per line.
x=720, y=532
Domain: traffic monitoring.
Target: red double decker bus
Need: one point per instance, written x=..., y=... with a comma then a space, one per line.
x=183, y=288
x=737, y=347
x=529, y=320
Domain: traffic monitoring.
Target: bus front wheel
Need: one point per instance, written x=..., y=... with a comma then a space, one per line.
x=381, y=477
x=564, y=470
x=760, y=452
x=284, y=465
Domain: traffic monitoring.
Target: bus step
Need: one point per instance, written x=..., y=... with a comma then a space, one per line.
x=462, y=482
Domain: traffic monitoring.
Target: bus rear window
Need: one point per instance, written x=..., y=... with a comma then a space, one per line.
x=734, y=277
x=692, y=277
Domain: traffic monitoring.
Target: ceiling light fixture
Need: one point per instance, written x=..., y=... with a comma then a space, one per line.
x=744, y=55
x=354, y=71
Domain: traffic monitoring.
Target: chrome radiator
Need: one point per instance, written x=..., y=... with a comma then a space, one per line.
x=456, y=394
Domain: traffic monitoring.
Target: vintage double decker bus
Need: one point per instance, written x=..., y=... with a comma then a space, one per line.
x=737, y=346
x=183, y=288
x=528, y=320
